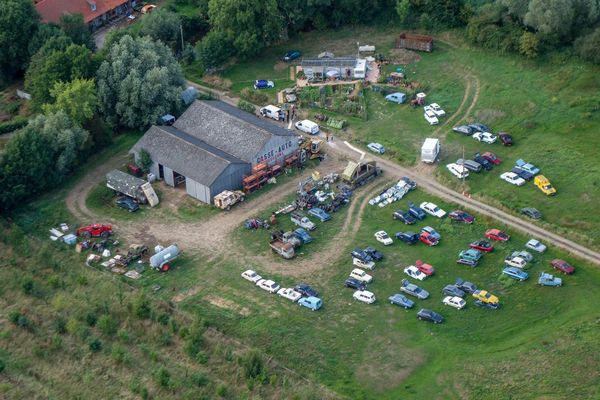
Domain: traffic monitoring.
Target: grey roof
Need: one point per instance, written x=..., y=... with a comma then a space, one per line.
x=329, y=62
x=185, y=154
x=228, y=128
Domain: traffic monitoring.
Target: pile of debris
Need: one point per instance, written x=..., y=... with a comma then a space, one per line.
x=394, y=193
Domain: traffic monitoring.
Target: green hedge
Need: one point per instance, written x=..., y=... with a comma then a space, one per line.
x=12, y=125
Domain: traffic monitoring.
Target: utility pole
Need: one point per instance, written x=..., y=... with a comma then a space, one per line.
x=463, y=170
x=181, y=31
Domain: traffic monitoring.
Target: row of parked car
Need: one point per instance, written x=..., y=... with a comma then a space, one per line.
x=482, y=133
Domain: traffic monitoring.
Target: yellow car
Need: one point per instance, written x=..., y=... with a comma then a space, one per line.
x=485, y=297
x=544, y=185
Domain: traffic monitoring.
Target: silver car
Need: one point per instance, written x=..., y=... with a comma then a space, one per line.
x=470, y=164
x=413, y=290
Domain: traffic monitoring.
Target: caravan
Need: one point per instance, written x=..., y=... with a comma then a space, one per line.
x=430, y=150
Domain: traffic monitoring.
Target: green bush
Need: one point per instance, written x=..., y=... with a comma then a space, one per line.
x=252, y=364
x=254, y=96
x=12, y=125
x=587, y=46
x=107, y=325
x=3, y=366
x=95, y=345
x=246, y=106
x=199, y=379
x=162, y=377
x=27, y=286
x=221, y=390
x=141, y=307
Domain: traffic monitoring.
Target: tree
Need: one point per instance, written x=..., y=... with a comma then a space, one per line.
x=528, y=45
x=145, y=161
x=248, y=24
x=587, y=46
x=76, y=98
x=553, y=19
x=163, y=25
x=214, y=50
x=54, y=63
x=139, y=81
x=41, y=36
x=75, y=28
x=18, y=21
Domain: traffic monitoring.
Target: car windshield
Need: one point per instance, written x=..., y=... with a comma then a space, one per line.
x=436, y=209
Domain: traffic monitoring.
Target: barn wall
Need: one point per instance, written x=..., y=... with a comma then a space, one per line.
x=230, y=179
x=169, y=178
x=197, y=190
x=276, y=149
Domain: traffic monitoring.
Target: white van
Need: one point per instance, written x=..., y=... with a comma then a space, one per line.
x=365, y=296
x=308, y=126
x=272, y=112
x=430, y=150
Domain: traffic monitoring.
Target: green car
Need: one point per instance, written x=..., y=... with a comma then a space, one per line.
x=469, y=257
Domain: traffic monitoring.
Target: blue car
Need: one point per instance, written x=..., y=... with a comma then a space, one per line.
x=305, y=290
x=314, y=303
x=404, y=216
x=397, y=97
x=263, y=84
x=515, y=273
x=303, y=235
x=128, y=203
x=320, y=214
x=292, y=55
x=525, y=166
x=401, y=300
x=416, y=211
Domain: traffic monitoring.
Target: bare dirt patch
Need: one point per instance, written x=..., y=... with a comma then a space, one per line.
x=280, y=66
x=404, y=56
x=185, y=295
x=227, y=304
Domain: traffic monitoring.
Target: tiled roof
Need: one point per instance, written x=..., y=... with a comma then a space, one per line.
x=52, y=10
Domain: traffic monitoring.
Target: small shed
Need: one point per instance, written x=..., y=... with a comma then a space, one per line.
x=326, y=54
x=413, y=41
x=366, y=49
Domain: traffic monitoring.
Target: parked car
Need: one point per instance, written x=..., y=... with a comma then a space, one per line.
x=290, y=294
x=428, y=239
x=468, y=287
x=416, y=211
x=461, y=216
x=459, y=171
x=478, y=127
x=432, y=209
x=517, y=262
x=512, y=178
x=376, y=148
x=485, y=137
x=562, y=266
x=384, y=238
x=355, y=284
x=361, y=255
x=263, y=84
x=505, y=138
x=531, y=212
x=485, y=297
x=535, y=245
x=365, y=296
x=435, y=234
x=357, y=262
x=437, y=110
x=397, y=97
x=525, y=255
x=319, y=213
x=408, y=237
x=454, y=301
x=491, y=157
x=292, y=55
x=128, y=203
x=484, y=163
x=470, y=165
x=413, y=290
x=522, y=173
x=251, y=276
x=404, y=216
x=547, y=279
x=307, y=126
x=544, y=185
x=469, y=257
x=361, y=275
x=373, y=253
x=430, y=117
x=303, y=235
x=453, y=290
x=401, y=300
x=268, y=285
x=425, y=314
x=464, y=129
x=314, y=303
x=515, y=273
x=425, y=268
x=305, y=290
x=525, y=166
x=414, y=272
x=482, y=245
x=497, y=234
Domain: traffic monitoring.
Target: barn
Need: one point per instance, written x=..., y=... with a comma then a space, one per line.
x=212, y=146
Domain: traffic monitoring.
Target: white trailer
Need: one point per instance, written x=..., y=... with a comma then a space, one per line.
x=360, y=69
x=430, y=150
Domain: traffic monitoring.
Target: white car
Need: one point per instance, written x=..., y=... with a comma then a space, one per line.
x=365, y=296
x=384, y=238
x=517, y=262
x=485, y=137
x=289, y=294
x=437, y=110
x=458, y=171
x=268, y=285
x=455, y=302
x=414, y=272
x=430, y=116
x=251, y=276
x=307, y=126
x=376, y=147
x=536, y=245
x=512, y=178
x=361, y=275
x=432, y=209
x=357, y=262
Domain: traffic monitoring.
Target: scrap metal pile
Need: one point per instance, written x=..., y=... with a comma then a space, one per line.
x=316, y=192
x=394, y=193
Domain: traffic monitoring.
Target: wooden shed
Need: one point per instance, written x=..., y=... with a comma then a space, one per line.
x=413, y=41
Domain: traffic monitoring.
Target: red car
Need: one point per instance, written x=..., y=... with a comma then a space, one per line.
x=428, y=239
x=482, y=245
x=506, y=139
x=491, y=157
x=562, y=266
x=461, y=216
x=424, y=268
x=497, y=234
x=96, y=230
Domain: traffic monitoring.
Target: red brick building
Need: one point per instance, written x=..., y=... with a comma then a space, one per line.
x=96, y=13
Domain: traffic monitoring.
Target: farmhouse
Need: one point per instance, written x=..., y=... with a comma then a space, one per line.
x=212, y=146
x=96, y=13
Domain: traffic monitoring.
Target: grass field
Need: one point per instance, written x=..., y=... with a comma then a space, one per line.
x=550, y=106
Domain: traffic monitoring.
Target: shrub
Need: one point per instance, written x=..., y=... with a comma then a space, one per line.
x=107, y=325
x=246, y=106
x=221, y=390
x=13, y=316
x=141, y=307
x=199, y=379
x=529, y=44
x=95, y=345
x=587, y=46
x=162, y=377
x=145, y=161
x=91, y=319
x=60, y=325
x=163, y=319
x=12, y=125
x=252, y=364
x=3, y=367
x=27, y=286
x=254, y=96
x=118, y=354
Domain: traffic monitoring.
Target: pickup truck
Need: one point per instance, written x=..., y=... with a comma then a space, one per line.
x=302, y=221
x=285, y=250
